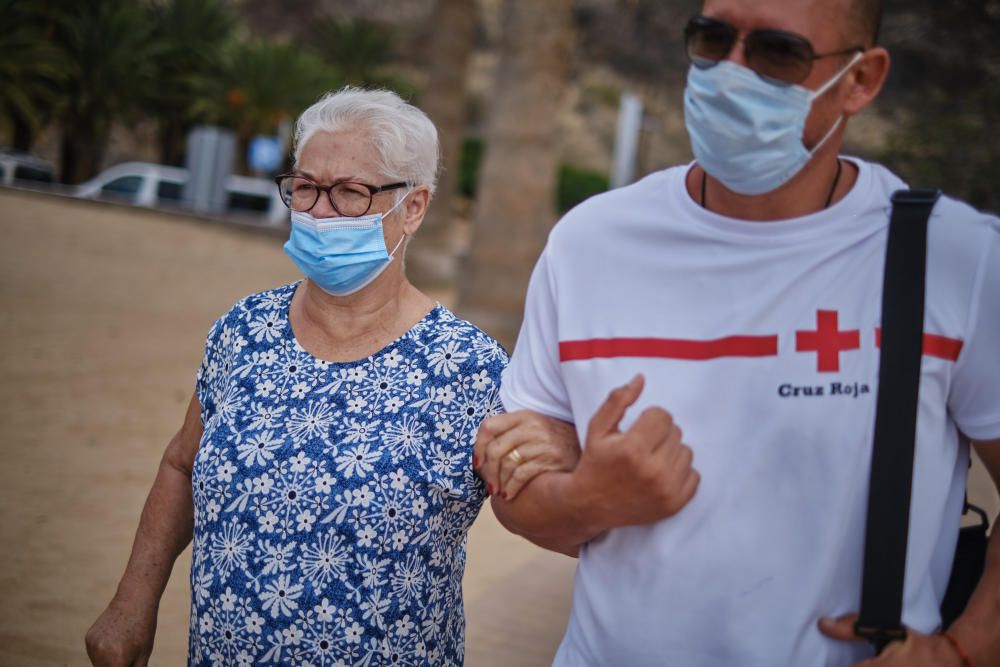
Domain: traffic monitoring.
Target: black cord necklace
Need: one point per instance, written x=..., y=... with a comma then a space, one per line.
x=829, y=197
x=833, y=188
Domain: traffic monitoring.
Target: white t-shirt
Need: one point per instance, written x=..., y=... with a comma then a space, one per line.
x=760, y=339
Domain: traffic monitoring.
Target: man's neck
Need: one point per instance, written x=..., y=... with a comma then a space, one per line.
x=808, y=192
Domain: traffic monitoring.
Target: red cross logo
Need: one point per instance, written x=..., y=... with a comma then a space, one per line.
x=827, y=341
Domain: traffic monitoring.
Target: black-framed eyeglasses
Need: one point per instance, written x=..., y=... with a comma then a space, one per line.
x=348, y=198
x=777, y=55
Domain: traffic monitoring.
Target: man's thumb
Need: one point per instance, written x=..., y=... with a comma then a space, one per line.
x=841, y=627
x=607, y=417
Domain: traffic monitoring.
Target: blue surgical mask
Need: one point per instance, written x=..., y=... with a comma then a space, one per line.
x=341, y=255
x=747, y=132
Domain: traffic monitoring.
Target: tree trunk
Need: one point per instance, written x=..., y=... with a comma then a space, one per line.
x=23, y=133
x=81, y=152
x=516, y=201
x=433, y=259
x=172, y=135
x=67, y=159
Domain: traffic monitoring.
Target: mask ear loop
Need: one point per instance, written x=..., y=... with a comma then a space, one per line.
x=392, y=255
x=396, y=205
x=825, y=87
x=829, y=133
x=836, y=77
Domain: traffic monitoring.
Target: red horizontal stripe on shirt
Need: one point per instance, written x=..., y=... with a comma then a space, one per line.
x=669, y=348
x=941, y=347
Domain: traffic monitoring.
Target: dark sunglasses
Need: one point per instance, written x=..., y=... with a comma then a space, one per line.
x=776, y=55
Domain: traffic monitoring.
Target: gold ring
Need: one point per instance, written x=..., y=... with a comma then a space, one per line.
x=515, y=457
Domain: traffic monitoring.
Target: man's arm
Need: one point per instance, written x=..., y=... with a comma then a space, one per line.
x=123, y=634
x=978, y=628
x=625, y=478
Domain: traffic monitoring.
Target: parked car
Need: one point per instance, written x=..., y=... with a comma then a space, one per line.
x=157, y=185
x=17, y=167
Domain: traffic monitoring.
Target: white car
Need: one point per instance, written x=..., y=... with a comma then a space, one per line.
x=157, y=185
x=19, y=168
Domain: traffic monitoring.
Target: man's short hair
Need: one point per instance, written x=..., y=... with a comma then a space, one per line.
x=866, y=19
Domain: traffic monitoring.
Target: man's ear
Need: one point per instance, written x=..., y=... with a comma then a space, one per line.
x=415, y=208
x=866, y=79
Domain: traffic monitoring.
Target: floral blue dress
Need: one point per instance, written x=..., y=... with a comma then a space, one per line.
x=332, y=500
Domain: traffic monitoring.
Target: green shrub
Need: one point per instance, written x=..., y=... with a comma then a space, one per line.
x=576, y=184
x=469, y=159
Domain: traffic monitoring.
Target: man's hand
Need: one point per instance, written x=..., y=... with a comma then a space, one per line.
x=626, y=478
x=918, y=650
x=637, y=476
x=542, y=444
x=122, y=636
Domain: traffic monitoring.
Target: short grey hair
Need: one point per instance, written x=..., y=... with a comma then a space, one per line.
x=404, y=138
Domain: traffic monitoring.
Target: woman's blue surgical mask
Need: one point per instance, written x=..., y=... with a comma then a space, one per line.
x=341, y=255
x=747, y=132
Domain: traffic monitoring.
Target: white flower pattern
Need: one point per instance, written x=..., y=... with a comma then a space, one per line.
x=332, y=500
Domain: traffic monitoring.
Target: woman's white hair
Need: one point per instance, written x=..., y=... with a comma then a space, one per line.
x=404, y=138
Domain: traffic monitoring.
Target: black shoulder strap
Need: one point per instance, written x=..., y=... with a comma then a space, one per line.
x=896, y=418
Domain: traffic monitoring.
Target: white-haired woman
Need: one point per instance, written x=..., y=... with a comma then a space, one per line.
x=324, y=465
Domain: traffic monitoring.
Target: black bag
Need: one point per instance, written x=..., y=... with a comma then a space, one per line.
x=970, y=560
x=895, y=430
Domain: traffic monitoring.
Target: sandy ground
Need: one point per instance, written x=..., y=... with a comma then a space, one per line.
x=104, y=313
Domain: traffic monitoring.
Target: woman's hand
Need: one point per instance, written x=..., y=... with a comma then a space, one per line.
x=122, y=636
x=514, y=448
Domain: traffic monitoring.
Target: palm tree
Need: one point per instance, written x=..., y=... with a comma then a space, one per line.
x=194, y=35
x=445, y=103
x=265, y=84
x=29, y=72
x=515, y=206
x=358, y=48
x=108, y=56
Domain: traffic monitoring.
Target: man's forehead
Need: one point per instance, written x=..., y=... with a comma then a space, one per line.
x=810, y=18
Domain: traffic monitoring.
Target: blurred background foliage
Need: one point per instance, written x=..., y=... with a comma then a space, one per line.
x=85, y=65
x=197, y=38
x=30, y=81
x=82, y=67
x=573, y=184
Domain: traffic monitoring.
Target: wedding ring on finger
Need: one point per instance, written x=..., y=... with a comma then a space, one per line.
x=515, y=457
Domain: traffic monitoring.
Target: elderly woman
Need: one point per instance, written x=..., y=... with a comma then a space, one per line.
x=324, y=466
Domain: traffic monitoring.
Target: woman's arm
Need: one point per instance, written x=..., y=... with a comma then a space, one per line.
x=621, y=478
x=123, y=634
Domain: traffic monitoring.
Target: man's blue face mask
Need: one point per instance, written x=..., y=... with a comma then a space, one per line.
x=341, y=255
x=747, y=132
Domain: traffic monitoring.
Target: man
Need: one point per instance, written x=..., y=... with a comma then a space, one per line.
x=743, y=294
